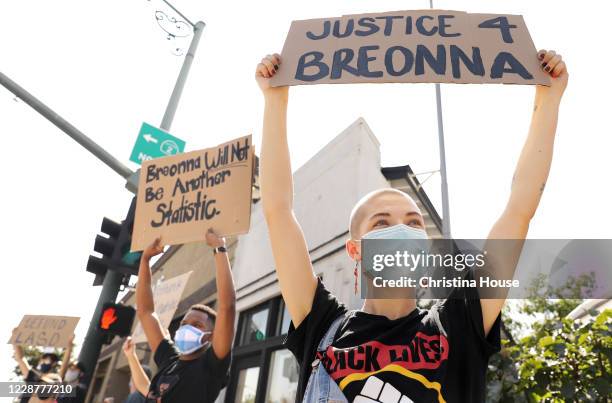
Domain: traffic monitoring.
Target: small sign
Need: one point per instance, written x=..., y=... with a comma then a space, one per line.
x=166, y=297
x=154, y=143
x=44, y=331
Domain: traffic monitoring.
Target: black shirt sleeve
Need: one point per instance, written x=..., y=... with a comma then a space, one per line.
x=303, y=341
x=463, y=313
x=218, y=368
x=165, y=353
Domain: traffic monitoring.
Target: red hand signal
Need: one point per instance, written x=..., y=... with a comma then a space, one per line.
x=108, y=318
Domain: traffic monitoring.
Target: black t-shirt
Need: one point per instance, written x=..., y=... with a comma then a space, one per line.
x=430, y=355
x=32, y=376
x=198, y=380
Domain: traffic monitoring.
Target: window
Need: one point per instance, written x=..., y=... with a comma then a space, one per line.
x=263, y=371
x=284, y=320
x=254, y=326
x=282, y=377
x=247, y=385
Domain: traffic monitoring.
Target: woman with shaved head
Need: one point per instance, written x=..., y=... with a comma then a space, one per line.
x=390, y=350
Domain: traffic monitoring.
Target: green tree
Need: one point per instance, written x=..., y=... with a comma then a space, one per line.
x=560, y=360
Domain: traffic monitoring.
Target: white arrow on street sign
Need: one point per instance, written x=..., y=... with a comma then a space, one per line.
x=149, y=138
x=154, y=143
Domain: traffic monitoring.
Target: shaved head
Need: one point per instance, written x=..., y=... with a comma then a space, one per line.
x=369, y=205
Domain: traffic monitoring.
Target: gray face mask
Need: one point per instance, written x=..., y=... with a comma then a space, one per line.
x=399, y=231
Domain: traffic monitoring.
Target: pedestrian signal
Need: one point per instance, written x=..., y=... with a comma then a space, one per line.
x=116, y=319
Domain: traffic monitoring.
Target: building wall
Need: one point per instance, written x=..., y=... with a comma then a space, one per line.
x=326, y=188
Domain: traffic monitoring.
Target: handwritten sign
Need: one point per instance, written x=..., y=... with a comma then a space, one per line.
x=166, y=297
x=181, y=196
x=421, y=46
x=44, y=331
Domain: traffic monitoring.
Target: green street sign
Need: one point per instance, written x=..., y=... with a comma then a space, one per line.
x=154, y=143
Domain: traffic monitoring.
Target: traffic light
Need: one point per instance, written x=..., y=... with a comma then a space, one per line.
x=114, y=246
x=116, y=319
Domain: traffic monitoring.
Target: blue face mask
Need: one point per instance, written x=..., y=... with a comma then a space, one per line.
x=399, y=231
x=188, y=339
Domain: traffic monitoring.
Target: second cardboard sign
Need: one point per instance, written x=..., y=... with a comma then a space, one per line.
x=180, y=197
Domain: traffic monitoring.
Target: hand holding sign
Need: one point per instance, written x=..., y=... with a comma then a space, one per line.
x=553, y=64
x=213, y=239
x=267, y=69
x=153, y=249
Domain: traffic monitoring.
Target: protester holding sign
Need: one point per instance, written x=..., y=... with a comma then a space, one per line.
x=194, y=367
x=45, y=370
x=390, y=350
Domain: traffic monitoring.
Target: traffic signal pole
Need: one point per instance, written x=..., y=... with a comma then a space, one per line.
x=94, y=339
x=92, y=345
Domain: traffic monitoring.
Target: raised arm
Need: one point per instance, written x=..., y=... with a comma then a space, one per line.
x=530, y=176
x=24, y=367
x=292, y=260
x=145, y=306
x=223, y=333
x=139, y=376
x=66, y=358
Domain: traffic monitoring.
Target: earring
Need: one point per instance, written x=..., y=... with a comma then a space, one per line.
x=356, y=273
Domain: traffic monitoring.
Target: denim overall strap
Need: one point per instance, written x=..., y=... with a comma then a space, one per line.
x=321, y=387
x=328, y=339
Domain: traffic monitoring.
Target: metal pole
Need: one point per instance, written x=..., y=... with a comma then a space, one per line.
x=446, y=231
x=66, y=127
x=182, y=78
x=92, y=344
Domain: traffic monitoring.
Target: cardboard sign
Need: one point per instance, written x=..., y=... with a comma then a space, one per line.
x=423, y=46
x=166, y=297
x=181, y=196
x=44, y=331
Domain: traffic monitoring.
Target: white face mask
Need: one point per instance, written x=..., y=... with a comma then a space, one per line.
x=72, y=375
x=189, y=339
